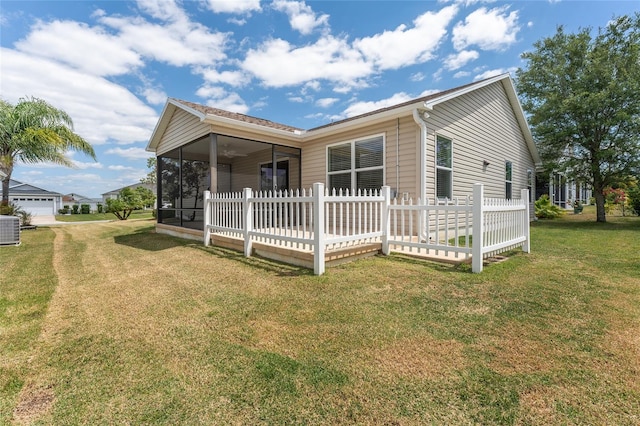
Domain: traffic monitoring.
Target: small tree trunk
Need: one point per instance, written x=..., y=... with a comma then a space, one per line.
x=600, y=212
x=5, y=191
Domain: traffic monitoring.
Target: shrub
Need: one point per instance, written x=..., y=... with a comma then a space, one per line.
x=63, y=211
x=25, y=218
x=545, y=209
x=11, y=209
x=100, y=208
x=85, y=208
x=74, y=209
x=634, y=199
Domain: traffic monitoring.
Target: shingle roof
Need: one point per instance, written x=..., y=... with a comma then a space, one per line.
x=16, y=187
x=207, y=110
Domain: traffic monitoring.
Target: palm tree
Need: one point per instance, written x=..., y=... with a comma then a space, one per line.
x=34, y=131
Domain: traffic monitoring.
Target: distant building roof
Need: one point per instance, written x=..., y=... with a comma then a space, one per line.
x=16, y=187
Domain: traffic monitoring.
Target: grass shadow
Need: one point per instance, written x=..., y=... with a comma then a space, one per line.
x=145, y=239
x=272, y=266
x=450, y=268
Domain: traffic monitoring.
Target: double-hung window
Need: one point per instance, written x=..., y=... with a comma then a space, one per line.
x=357, y=164
x=530, y=185
x=508, y=171
x=444, y=167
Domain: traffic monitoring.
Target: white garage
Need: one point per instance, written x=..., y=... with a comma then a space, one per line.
x=37, y=206
x=37, y=201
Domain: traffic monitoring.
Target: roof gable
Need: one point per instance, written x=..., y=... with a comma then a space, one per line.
x=218, y=116
x=16, y=187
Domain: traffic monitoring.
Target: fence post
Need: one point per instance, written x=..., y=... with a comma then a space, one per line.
x=247, y=208
x=207, y=218
x=478, y=231
x=526, y=247
x=318, y=229
x=385, y=219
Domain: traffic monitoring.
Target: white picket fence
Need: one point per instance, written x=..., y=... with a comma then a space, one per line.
x=318, y=221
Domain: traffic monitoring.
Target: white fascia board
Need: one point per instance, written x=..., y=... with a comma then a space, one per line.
x=256, y=128
x=522, y=120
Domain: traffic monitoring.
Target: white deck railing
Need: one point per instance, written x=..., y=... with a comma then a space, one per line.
x=318, y=221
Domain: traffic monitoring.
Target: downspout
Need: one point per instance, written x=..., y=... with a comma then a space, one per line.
x=418, y=117
x=397, y=157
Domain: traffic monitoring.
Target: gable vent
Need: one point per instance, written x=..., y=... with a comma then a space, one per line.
x=9, y=230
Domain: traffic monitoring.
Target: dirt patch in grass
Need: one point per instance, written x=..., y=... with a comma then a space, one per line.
x=33, y=403
x=419, y=358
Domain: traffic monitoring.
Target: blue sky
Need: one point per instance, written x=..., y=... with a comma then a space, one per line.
x=112, y=64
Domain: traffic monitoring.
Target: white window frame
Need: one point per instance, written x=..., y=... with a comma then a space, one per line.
x=449, y=169
x=508, y=195
x=353, y=170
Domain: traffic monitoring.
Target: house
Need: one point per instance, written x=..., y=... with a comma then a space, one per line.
x=34, y=200
x=563, y=191
x=77, y=199
x=114, y=193
x=435, y=146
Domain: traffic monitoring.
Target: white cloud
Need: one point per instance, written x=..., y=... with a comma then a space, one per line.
x=326, y=102
x=234, y=6
x=219, y=97
x=494, y=72
x=74, y=44
x=301, y=17
x=461, y=74
x=119, y=168
x=130, y=153
x=177, y=43
x=460, y=59
x=101, y=110
x=429, y=92
x=237, y=21
x=86, y=165
x=277, y=63
x=419, y=76
x=297, y=99
x=494, y=29
x=154, y=96
x=362, y=107
x=232, y=78
x=406, y=46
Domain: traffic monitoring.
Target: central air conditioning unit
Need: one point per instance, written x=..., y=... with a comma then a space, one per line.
x=9, y=230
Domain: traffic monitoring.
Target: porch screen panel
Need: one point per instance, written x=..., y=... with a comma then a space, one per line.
x=170, y=182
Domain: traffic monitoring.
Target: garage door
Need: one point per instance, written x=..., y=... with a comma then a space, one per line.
x=36, y=206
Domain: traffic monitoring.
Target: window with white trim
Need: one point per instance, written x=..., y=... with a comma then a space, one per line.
x=444, y=167
x=508, y=179
x=357, y=164
x=530, y=185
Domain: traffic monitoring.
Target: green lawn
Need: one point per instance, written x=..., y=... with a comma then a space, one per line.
x=116, y=324
x=138, y=214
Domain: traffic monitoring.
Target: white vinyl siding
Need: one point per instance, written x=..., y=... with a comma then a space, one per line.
x=182, y=129
x=484, y=128
x=444, y=167
x=357, y=164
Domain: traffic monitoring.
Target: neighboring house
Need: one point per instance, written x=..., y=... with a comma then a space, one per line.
x=563, y=191
x=34, y=200
x=435, y=146
x=77, y=199
x=114, y=194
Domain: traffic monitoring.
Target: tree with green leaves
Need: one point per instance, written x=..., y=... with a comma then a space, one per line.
x=129, y=200
x=582, y=94
x=33, y=131
x=152, y=176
